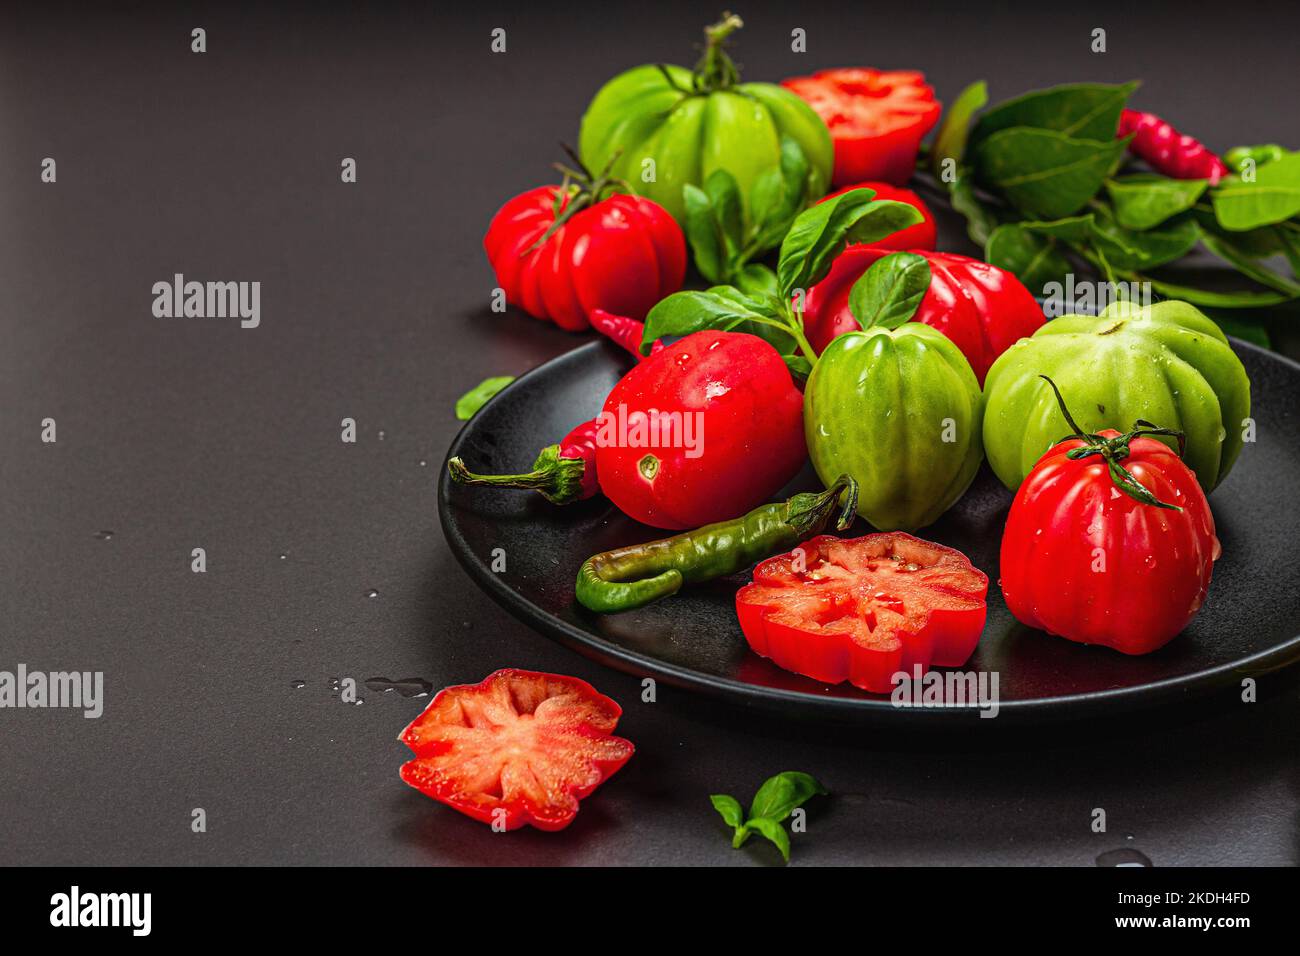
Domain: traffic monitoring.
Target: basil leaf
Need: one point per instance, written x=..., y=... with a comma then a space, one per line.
x=1272, y=197
x=1069, y=229
x=820, y=233
x=1046, y=174
x=774, y=832
x=1035, y=259
x=1256, y=243
x=1146, y=200
x=756, y=279
x=766, y=198
x=1079, y=110
x=719, y=308
x=1246, y=299
x=950, y=142
x=730, y=809
x=794, y=177
x=890, y=291
x=980, y=219
x=779, y=795
x=704, y=233
x=1250, y=331
x=1225, y=250
x=1127, y=249
x=469, y=403
x=728, y=208
x=800, y=368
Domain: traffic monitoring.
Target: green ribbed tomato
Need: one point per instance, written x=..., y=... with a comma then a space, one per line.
x=899, y=410
x=691, y=123
x=1165, y=363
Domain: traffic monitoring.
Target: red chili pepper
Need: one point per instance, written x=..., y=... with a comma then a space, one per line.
x=1168, y=151
x=623, y=331
x=561, y=473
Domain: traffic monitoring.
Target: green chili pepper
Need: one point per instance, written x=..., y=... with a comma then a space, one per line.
x=632, y=577
x=1259, y=154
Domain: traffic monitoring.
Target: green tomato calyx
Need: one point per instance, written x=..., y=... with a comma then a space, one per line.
x=808, y=512
x=1116, y=449
x=579, y=190
x=715, y=71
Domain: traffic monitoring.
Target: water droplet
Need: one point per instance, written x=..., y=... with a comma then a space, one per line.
x=382, y=434
x=423, y=463
x=1124, y=856
x=298, y=684
x=372, y=593
x=284, y=556
x=104, y=535
x=406, y=686
x=358, y=702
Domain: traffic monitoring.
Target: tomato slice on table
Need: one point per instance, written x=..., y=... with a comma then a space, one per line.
x=877, y=119
x=864, y=609
x=520, y=747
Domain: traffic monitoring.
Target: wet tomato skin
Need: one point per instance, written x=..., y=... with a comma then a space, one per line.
x=1084, y=561
x=747, y=431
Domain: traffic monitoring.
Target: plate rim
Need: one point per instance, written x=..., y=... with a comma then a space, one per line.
x=638, y=663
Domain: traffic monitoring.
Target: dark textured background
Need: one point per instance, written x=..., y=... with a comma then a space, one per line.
x=176, y=434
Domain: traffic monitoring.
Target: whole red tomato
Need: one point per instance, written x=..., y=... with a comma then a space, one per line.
x=704, y=430
x=920, y=236
x=981, y=308
x=622, y=254
x=1121, y=560
x=877, y=119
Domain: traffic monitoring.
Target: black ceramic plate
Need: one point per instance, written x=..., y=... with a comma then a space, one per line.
x=1248, y=625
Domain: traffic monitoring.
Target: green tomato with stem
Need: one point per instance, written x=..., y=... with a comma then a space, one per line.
x=664, y=127
x=1165, y=363
x=899, y=410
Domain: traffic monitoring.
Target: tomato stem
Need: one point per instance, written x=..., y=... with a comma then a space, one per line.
x=578, y=191
x=1116, y=449
x=716, y=70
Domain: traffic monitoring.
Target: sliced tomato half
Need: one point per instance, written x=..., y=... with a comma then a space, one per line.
x=877, y=119
x=864, y=609
x=518, y=748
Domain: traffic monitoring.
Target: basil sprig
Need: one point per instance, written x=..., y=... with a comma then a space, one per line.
x=1038, y=179
x=776, y=799
x=773, y=309
x=723, y=243
x=469, y=403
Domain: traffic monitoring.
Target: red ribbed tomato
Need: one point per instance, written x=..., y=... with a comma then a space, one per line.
x=1085, y=559
x=621, y=254
x=865, y=609
x=981, y=308
x=920, y=236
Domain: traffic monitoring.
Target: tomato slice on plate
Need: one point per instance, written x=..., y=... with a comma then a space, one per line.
x=518, y=748
x=864, y=609
x=877, y=119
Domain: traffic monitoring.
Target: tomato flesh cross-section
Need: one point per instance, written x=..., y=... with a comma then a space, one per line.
x=518, y=748
x=864, y=609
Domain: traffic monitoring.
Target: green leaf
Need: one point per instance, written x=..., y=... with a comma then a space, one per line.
x=1046, y=174
x=820, y=233
x=704, y=233
x=728, y=207
x=1225, y=250
x=719, y=308
x=730, y=809
x=477, y=397
x=794, y=178
x=890, y=291
x=950, y=142
x=1272, y=197
x=1246, y=299
x=779, y=795
x=1127, y=249
x=1069, y=229
x=800, y=368
x=1250, y=331
x=774, y=832
x=1146, y=200
x=1035, y=259
x=756, y=279
x=980, y=218
x=1078, y=110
